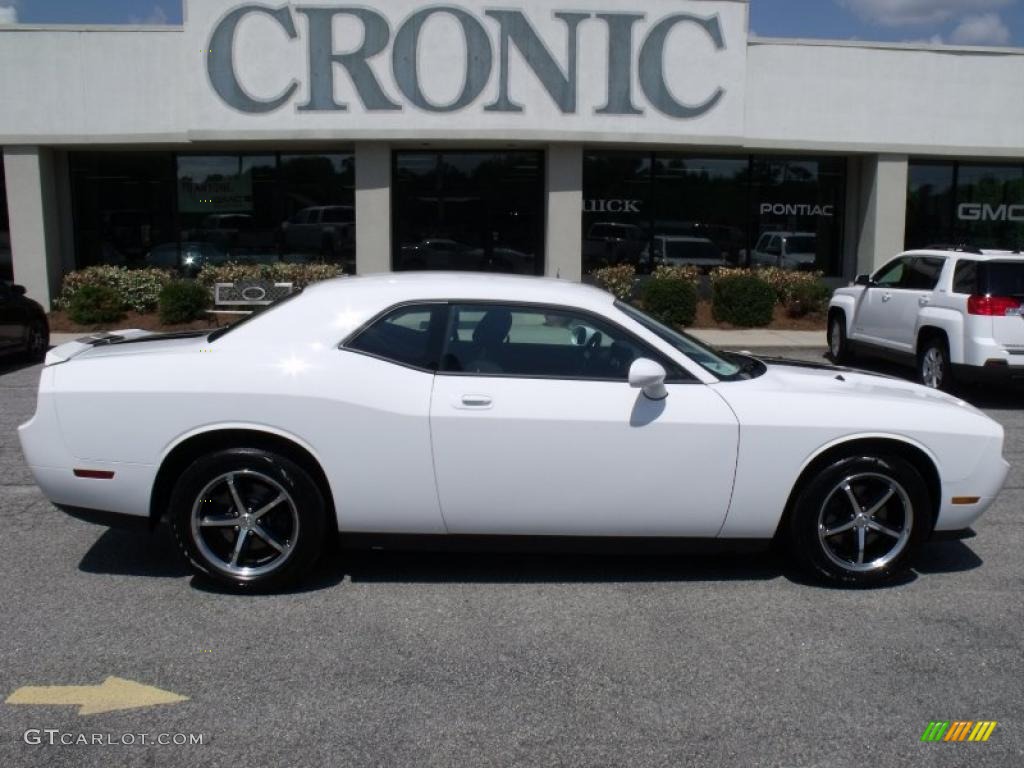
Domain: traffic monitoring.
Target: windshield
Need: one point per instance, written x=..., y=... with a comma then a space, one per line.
x=692, y=249
x=725, y=365
x=802, y=244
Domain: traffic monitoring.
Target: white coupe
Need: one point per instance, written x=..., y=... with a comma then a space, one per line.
x=466, y=406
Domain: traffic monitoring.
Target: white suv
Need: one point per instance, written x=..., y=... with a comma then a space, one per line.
x=956, y=315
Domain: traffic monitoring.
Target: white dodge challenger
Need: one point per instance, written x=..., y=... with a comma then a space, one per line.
x=456, y=407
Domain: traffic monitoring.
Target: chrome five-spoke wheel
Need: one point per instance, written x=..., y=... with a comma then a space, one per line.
x=860, y=519
x=865, y=522
x=245, y=523
x=249, y=517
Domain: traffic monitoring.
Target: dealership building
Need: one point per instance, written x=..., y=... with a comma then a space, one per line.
x=530, y=137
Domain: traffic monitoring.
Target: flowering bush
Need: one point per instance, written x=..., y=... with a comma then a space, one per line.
x=786, y=283
x=300, y=275
x=137, y=289
x=688, y=273
x=618, y=281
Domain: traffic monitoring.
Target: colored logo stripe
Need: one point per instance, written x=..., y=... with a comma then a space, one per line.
x=958, y=730
x=982, y=731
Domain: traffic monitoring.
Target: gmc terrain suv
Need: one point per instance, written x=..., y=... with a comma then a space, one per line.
x=958, y=315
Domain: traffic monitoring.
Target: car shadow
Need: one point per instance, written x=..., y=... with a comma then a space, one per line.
x=155, y=555
x=13, y=365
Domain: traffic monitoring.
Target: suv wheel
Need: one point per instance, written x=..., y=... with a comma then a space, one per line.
x=838, y=344
x=37, y=341
x=933, y=366
x=859, y=521
x=248, y=518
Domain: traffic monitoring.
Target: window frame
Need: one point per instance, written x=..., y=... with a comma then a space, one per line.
x=676, y=373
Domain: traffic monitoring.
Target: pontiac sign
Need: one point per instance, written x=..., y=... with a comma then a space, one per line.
x=673, y=66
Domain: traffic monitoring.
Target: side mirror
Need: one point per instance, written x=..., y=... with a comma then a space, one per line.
x=864, y=280
x=650, y=377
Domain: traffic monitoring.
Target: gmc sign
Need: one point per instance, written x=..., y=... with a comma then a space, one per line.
x=987, y=212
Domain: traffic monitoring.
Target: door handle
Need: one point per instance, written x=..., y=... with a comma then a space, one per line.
x=886, y=296
x=923, y=301
x=475, y=401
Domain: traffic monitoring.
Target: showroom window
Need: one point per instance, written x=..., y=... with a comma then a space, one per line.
x=965, y=204
x=647, y=209
x=477, y=211
x=6, y=260
x=184, y=211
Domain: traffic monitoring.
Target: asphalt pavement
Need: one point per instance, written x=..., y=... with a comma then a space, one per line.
x=391, y=659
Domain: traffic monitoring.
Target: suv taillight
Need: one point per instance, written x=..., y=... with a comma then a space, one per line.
x=992, y=306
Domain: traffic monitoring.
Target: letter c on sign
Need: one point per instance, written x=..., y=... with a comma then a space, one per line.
x=220, y=63
x=652, y=66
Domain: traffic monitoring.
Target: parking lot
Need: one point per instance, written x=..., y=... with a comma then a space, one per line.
x=396, y=659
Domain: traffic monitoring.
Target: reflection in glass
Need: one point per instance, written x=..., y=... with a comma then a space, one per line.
x=475, y=211
x=968, y=204
x=649, y=209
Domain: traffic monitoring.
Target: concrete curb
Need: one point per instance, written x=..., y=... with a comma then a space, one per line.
x=752, y=339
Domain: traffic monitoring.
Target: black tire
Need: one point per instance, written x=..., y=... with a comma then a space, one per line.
x=838, y=344
x=933, y=367
x=37, y=341
x=296, y=525
x=824, y=505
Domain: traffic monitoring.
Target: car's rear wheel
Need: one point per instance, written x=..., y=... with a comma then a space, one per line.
x=933, y=367
x=37, y=341
x=248, y=518
x=859, y=521
x=838, y=344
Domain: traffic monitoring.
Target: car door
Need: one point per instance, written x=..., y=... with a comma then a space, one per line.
x=916, y=293
x=876, y=313
x=536, y=431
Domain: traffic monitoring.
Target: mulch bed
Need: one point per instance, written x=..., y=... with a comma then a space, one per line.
x=61, y=323
x=782, y=321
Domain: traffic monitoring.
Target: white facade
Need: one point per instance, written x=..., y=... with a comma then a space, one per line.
x=676, y=75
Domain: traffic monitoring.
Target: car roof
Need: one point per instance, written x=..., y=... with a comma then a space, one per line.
x=985, y=255
x=397, y=287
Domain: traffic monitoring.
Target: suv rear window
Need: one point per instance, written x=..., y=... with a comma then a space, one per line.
x=990, y=278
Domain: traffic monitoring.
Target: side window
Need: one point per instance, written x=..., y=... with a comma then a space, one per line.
x=893, y=273
x=923, y=274
x=774, y=246
x=407, y=336
x=965, y=278
x=540, y=342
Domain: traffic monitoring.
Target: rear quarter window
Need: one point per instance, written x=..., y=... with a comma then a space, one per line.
x=965, y=278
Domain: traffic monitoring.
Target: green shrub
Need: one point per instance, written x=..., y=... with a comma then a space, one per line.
x=183, y=301
x=299, y=275
x=95, y=305
x=808, y=298
x=687, y=272
x=672, y=301
x=618, y=281
x=137, y=289
x=783, y=281
x=746, y=301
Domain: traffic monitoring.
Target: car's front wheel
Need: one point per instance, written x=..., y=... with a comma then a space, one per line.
x=248, y=518
x=859, y=521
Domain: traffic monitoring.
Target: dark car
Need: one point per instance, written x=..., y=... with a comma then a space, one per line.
x=24, y=329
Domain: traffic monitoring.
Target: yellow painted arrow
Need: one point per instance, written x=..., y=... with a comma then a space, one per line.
x=111, y=695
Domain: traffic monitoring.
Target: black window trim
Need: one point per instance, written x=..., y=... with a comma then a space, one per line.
x=677, y=374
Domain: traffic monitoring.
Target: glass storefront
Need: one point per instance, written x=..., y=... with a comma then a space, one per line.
x=6, y=261
x=648, y=208
x=469, y=210
x=183, y=211
x=961, y=203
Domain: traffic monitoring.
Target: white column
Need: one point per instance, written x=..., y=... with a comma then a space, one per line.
x=35, y=225
x=564, y=239
x=373, y=207
x=883, y=210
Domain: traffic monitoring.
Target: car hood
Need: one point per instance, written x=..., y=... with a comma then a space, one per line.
x=797, y=376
